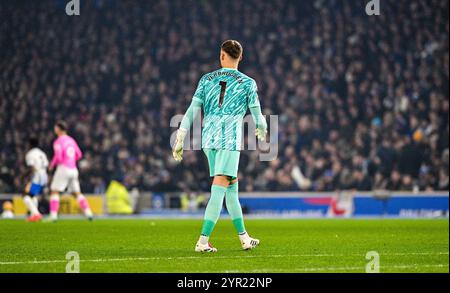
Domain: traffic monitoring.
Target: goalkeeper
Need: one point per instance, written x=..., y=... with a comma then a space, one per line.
x=225, y=95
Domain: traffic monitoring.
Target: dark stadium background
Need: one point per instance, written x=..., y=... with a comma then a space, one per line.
x=362, y=100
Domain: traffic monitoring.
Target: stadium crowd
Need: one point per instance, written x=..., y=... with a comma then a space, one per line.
x=362, y=100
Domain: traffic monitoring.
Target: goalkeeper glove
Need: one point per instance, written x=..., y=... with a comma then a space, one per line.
x=177, y=150
x=261, y=133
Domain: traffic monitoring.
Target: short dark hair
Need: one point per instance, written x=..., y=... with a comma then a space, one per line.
x=61, y=125
x=232, y=48
x=33, y=142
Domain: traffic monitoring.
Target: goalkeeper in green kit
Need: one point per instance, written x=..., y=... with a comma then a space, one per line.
x=225, y=95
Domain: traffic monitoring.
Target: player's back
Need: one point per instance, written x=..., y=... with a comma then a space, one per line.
x=67, y=152
x=37, y=159
x=226, y=94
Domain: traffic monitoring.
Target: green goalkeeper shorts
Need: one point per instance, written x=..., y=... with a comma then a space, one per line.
x=223, y=162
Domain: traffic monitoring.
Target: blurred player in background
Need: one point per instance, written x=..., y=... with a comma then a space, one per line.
x=65, y=157
x=37, y=162
x=225, y=96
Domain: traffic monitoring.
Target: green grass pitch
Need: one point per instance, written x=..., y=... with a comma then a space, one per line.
x=146, y=245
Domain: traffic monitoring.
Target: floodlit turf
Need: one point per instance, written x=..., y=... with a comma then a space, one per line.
x=167, y=246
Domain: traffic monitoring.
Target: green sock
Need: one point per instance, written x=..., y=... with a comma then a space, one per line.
x=234, y=207
x=213, y=209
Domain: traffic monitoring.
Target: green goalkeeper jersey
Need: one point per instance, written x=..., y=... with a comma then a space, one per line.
x=225, y=95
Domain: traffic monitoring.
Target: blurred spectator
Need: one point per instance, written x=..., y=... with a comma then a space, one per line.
x=395, y=181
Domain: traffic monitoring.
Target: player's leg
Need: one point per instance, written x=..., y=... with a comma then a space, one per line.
x=84, y=204
x=36, y=201
x=43, y=181
x=212, y=213
x=58, y=185
x=215, y=203
x=235, y=210
x=54, y=205
x=230, y=167
x=74, y=186
x=31, y=190
x=234, y=206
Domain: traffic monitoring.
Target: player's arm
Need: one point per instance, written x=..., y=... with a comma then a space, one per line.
x=30, y=162
x=260, y=122
x=57, y=156
x=28, y=171
x=46, y=163
x=186, y=123
x=188, y=119
x=255, y=110
x=78, y=152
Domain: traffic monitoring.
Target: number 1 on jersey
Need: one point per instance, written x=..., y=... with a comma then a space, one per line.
x=223, y=87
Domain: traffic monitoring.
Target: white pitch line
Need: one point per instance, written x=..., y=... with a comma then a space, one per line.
x=411, y=266
x=215, y=257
